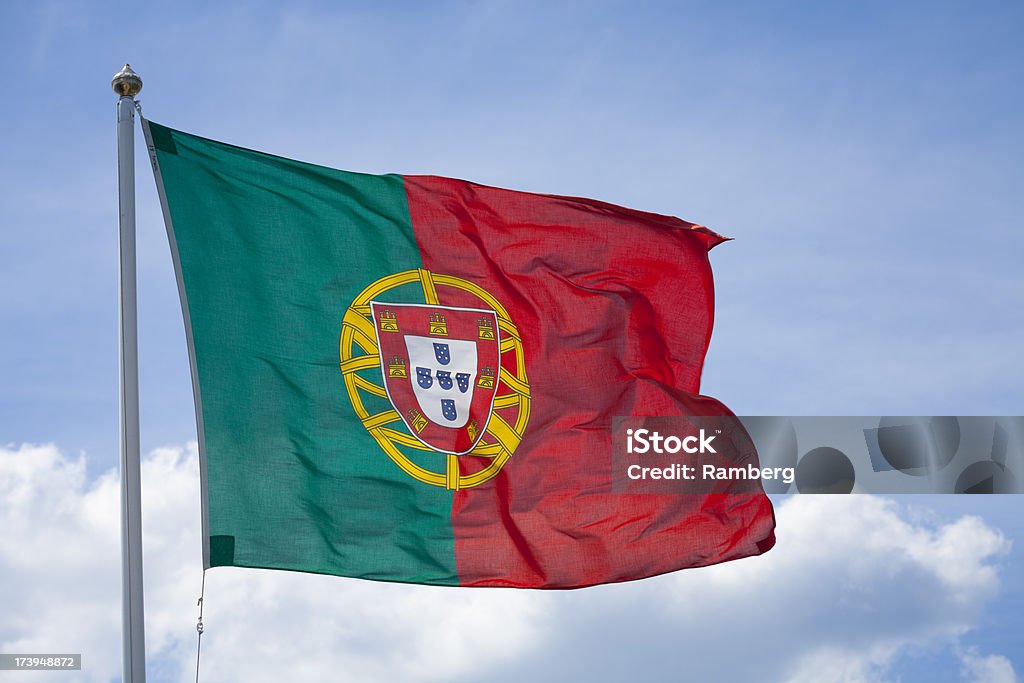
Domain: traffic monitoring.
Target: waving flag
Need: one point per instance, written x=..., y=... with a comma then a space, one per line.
x=413, y=378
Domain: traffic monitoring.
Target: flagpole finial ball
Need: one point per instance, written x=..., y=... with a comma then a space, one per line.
x=126, y=82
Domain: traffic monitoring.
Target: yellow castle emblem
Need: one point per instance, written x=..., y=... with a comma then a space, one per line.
x=396, y=367
x=438, y=325
x=388, y=322
x=486, y=380
x=416, y=420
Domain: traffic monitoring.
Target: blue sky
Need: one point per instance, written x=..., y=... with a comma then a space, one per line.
x=865, y=156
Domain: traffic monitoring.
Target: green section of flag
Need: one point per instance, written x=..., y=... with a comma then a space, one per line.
x=271, y=254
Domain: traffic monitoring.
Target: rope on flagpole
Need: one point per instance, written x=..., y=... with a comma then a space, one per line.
x=199, y=624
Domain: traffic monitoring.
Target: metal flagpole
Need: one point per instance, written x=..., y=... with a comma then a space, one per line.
x=127, y=84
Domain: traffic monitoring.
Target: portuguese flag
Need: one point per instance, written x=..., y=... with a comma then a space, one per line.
x=413, y=378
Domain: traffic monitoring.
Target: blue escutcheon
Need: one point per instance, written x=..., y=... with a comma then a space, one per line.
x=448, y=409
x=442, y=353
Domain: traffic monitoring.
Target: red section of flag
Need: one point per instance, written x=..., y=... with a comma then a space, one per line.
x=614, y=308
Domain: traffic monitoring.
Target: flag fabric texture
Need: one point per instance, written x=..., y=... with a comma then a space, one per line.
x=413, y=378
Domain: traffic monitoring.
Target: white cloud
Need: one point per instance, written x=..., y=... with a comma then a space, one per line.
x=854, y=584
x=986, y=669
x=851, y=584
x=59, y=558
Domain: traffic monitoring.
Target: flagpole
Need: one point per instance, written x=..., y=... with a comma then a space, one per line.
x=127, y=84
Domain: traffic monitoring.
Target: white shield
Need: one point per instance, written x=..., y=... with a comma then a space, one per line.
x=444, y=390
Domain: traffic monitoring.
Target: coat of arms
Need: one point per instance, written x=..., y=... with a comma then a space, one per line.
x=453, y=376
x=439, y=365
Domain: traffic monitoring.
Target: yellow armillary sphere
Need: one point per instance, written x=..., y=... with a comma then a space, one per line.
x=493, y=436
